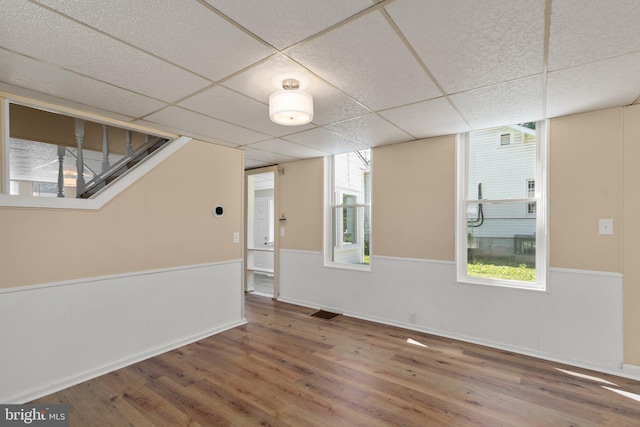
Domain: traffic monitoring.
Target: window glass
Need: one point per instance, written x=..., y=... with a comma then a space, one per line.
x=501, y=235
x=349, y=204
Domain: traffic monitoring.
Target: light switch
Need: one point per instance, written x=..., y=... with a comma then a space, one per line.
x=236, y=237
x=605, y=226
x=282, y=233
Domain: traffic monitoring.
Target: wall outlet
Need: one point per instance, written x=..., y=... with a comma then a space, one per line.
x=605, y=226
x=412, y=318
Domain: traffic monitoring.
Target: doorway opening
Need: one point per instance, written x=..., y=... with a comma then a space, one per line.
x=261, y=244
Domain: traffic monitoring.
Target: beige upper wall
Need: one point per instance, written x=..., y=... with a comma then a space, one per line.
x=411, y=182
x=631, y=237
x=43, y=126
x=585, y=184
x=163, y=220
x=414, y=199
x=301, y=190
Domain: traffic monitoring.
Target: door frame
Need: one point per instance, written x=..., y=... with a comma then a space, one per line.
x=276, y=228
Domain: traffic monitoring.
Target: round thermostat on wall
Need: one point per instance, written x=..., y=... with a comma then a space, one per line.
x=218, y=210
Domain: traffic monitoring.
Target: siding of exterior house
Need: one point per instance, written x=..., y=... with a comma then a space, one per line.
x=504, y=171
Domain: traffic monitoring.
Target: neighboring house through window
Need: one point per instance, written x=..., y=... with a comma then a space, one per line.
x=348, y=218
x=501, y=222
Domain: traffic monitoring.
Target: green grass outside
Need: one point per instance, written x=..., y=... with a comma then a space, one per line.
x=520, y=272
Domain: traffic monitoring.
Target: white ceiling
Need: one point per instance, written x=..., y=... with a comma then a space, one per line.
x=379, y=72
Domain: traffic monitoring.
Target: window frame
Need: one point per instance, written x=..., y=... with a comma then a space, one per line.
x=330, y=234
x=462, y=203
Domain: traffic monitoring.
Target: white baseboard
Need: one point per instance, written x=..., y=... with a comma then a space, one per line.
x=577, y=322
x=67, y=332
x=89, y=375
x=626, y=371
x=631, y=371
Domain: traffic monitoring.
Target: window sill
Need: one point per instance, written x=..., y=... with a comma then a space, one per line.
x=47, y=202
x=353, y=267
x=508, y=284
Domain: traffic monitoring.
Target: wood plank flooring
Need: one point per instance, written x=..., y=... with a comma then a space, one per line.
x=263, y=284
x=286, y=368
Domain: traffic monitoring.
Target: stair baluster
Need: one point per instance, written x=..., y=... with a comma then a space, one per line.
x=61, y=152
x=128, y=149
x=105, y=149
x=79, y=133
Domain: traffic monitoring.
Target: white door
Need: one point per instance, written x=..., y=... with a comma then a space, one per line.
x=263, y=233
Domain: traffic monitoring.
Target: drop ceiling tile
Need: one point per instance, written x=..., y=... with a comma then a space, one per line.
x=503, y=104
x=181, y=132
x=280, y=146
x=325, y=140
x=186, y=33
x=28, y=93
x=232, y=107
x=583, y=32
x=367, y=60
x=41, y=77
x=284, y=22
x=371, y=130
x=214, y=141
x=265, y=156
x=37, y=32
x=329, y=104
x=191, y=123
x=261, y=80
x=426, y=119
x=595, y=86
x=164, y=128
x=467, y=45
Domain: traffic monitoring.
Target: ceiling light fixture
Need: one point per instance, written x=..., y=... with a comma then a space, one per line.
x=290, y=107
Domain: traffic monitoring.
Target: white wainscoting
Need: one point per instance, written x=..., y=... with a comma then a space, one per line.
x=59, y=334
x=577, y=321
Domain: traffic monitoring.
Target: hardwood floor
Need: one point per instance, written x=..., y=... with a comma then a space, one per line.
x=263, y=284
x=286, y=368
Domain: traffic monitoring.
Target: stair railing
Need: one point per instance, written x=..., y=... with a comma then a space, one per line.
x=103, y=179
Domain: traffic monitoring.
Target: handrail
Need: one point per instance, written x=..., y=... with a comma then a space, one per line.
x=137, y=151
x=122, y=166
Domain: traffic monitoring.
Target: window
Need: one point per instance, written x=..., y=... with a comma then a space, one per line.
x=498, y=241
x=531, y=194
x=505, y=138
x=348, y=218
x=45, y=189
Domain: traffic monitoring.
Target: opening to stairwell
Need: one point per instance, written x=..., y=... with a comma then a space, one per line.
x=55, y=155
